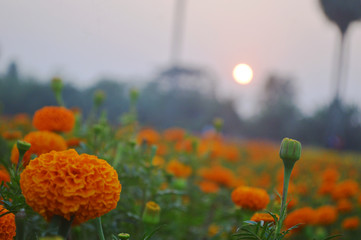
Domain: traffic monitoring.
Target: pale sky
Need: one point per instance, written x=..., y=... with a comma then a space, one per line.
x=84, y=40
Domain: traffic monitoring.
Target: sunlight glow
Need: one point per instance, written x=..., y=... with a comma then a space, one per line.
x=242, y=73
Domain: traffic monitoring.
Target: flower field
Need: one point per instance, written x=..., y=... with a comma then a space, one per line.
x=76, y=178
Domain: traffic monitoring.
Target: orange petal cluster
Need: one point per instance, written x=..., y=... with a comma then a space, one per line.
x=174, y=134
x=345, y=189
x=303, y=216
x=351, y=223
x=218, y=174
x=325, y=215
x=7, y=225
x=208, y=187
x=67, y=184
x=250, y=198
x=148, y=135
x=41, y=142
x=266, y=217
x=52, y=118
x=179, y=169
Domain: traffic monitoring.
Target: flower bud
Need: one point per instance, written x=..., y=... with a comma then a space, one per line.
x=123, y=236
x=57, y=85
x=151, y=213
x=51, y=238
x=290, y=150
x=218, y=124
x=134, y=94
x=179, y=183
x=99, y=97
x=23, y=146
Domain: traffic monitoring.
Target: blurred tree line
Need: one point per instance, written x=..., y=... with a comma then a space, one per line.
x=177, y=97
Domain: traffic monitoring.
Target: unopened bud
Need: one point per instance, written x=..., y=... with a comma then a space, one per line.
x=218, y=124
x=151, y=213
x=23, y=146
x=123, y=236
x=99, y=97
x=290, y=151
x=57, y=85
x=134, y=94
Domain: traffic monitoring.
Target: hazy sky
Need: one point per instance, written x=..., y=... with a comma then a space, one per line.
x=83, y=40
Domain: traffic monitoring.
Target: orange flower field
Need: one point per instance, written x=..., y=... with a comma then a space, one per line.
x=88, y=179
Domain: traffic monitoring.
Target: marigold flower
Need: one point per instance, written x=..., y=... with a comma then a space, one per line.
x=52, y=118
x=158, y=161
x=208, y=187
x=266, y=217
x=325, y=215
x=148, y=135
x=344, y=205
x=179, y=169
x=250, y=198
x=345, y=189
x=303, y=216
x=213, y=229
x=11, y=135
x=218, y=174
x=174, y=134
x=67, y=184
x=151, y=213
x=351, y=223
x=7, y=225
x=41, y=142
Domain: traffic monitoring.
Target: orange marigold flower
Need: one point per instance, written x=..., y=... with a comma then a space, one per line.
x=213, y=229
x=67, y=184
x=158, y=161
x=266, y=217
x=325, y=215
x=330, y=175
x=218, y=174
x=250, y=198
x=148, y=135
x=7, y=225
x=41, y=142
x=54, y=118
x=11, y=135
x=351, y=223
x=344, y=205
x=21, y=119
x=179, y=169
x=208, y=187
x=174, y=134
x=4, y=175
x=303, y=216
x=345, y=189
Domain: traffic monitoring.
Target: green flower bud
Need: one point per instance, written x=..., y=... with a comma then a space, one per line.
x=99, y=97
x=218, y=124
x=290, y=151
x=151, y=213
x=23, y=146
x=134, y=94
x=57, y=85
x=179, y=183
x=123, y=236
x=98, y=128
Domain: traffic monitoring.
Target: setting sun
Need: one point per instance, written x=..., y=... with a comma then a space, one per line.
x=242, y=73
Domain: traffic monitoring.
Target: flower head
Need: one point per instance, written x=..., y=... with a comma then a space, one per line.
x=41, y=142
x=266, y=217
x=250, y=198
x=67, y=184
x=325, y=215
x=351, y=223
x=179, y=169
x=151, y=213
x=54, y=118
x=7, y=225
x=303, y=216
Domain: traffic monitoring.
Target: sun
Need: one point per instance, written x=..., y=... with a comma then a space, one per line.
x=242, y=73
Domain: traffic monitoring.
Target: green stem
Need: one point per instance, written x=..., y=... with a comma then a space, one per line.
x=63, y=225
x=20, y=224
x=287, y=175
x=100, y=228
x=21, y=155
